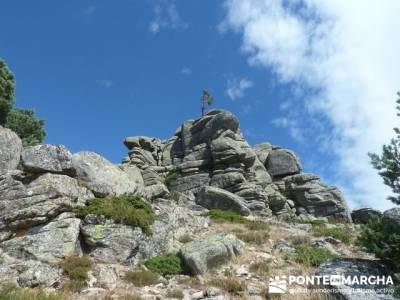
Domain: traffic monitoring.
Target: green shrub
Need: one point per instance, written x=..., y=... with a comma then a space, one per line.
x=142, y=277
x=12, y=292
x=175, y=293
x=77, y=268
x=167, y=264
x=309, y=256
x=382, y=237
x=340, y=233
x=128, y=210
x=230, y=284
x=172, y=176
x=226, y=216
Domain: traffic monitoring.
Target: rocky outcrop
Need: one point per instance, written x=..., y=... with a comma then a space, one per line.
x=10, y=150
x=364, y=214
x=215, y=165
x=47, y=158
x=315, y=198
x=100, y=176
x=210, y=252
x=356, y=268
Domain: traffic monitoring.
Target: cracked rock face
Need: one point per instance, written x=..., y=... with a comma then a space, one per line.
x=10, y=150
x=212, y=152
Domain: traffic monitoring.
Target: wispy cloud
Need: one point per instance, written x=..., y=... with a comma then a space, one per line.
x=166, y=16
x=347, y=53
x=235, y=87
x=292, y=126
x=186, y=71
x=106, y=83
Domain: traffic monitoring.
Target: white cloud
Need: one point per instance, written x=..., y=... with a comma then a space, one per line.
x=292, y=125
x=166, y=16
x=106, y=83
x=186, y=71
x=348, y=51
x=236, y=87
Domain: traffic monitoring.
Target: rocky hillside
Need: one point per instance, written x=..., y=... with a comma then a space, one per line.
x=202, y=215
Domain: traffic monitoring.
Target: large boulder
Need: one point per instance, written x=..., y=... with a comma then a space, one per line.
x=28, y=201
x=262, y=150
x=364, y=214
x=282, y=162
x=110, y=242
x=47, y=158
x=356, y=268
x=216, y=198
x=211, y=252
x=316, y=198
x=49, y=243
x=101, y=176
x=393, y=214
x=10, y=150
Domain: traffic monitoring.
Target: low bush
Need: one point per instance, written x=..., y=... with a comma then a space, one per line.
x=230, y=284
x=172, y=176
x=9, y=291
x=309, y=256
x=141, y=277
x=167, y=264
x=338, y=232
x=128, y=210
x=382, y=237
x=226, y=216
x=175, y=293
x=77, y=268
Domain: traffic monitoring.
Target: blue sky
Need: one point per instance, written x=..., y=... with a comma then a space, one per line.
x=98, y=71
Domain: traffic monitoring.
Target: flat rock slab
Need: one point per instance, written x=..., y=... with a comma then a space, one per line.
x=47, y=158
x=210, y=252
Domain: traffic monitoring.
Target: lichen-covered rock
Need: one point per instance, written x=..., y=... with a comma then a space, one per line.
x=29, y=273
x=210, y=252
x=29, y=201
x=48, y=243
x=282, y=162
x=10, y=150
x=101, y=176
x=47, y=158
x=216, y=198
x=110, y=242
x=316, y=198
x=362, y=215
x=357, y=268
